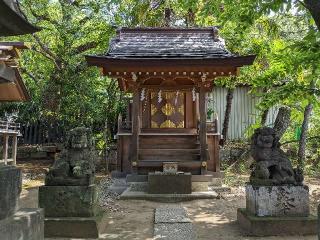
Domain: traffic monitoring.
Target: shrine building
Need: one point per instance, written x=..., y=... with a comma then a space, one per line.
x=169, y=72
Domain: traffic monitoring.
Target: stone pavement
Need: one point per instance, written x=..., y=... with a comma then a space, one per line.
x=172, y=223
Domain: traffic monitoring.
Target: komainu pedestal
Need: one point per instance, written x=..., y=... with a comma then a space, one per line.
x=69, y=194
x=277, y=202
x=15, y=223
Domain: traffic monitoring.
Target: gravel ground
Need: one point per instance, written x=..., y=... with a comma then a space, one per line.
x=211, y=219
x=107, y=199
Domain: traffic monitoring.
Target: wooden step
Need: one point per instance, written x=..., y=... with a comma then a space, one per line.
x=168, y=142
x=145, y=166
x=169, y=154
x=151, y=163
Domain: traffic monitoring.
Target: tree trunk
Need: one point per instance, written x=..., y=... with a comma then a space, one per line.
x=282, y=121
x=304, y=133
x=227, y=115
x=264, y=117
x=314, y=8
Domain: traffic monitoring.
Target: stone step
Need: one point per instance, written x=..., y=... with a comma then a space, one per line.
x=172, y=223
x=169, y=156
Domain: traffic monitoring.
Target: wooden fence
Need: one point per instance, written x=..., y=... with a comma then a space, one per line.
x=41, y=133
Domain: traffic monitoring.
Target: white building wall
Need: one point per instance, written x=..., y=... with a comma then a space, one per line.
x=243, y=111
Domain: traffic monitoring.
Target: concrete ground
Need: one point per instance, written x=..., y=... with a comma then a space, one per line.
x=213, y=219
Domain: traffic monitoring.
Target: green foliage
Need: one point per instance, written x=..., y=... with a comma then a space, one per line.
x=282, y=33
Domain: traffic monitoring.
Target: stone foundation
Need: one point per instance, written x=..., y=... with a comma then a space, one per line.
x=276, y=226
x=273, y=201
x=74, y=227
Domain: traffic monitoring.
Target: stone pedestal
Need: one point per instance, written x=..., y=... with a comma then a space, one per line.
x=10, y=188
x=68, y=201
x=24, y=224
x=70, y=211
x=161, y=183
x=275, y=201
x=277, y=210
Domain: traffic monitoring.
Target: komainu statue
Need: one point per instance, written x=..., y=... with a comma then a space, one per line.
x=272, y=166
x=74, y=166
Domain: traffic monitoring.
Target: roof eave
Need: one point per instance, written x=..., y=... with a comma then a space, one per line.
x=235, y=61
x=13, y=23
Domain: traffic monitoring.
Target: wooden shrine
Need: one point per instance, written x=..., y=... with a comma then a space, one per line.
x=12, y=88
x=169, y=72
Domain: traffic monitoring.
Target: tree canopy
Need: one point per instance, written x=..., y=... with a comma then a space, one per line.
x=284, y=34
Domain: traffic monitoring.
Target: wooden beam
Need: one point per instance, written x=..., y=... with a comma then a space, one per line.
x=14, y=149
x=5, y=148
x=135, y=128
x=203, y=124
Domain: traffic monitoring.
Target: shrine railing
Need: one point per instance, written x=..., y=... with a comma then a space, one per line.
x=7, y=127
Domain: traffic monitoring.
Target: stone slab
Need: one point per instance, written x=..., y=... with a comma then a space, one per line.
x=174, y=231
x=71, y=227
x=68, y=201
x=26, y=224
x=136, y=178
x=199, y=186
x=136, y=195
x=276, y=226
x=10, y=188
x=171, y=215
x=211, y=177
x=169, y=183
x=287, y=200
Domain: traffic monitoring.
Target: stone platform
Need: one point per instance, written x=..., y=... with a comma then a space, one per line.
x=74, y=227
x=276, y=226
x=26, y=224
x=138, y=191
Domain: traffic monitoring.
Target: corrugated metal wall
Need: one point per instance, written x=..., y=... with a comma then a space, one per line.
x=243, y=111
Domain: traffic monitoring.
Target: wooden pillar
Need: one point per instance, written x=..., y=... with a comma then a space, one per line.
x=203, y=124
x=5, y=148
x=14, y=149
x=135, y=129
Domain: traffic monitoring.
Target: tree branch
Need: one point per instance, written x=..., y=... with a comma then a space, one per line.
x=30, y=75
x=47, y=52
x=86, y=46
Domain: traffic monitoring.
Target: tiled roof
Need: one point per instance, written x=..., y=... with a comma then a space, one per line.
x=167, y=43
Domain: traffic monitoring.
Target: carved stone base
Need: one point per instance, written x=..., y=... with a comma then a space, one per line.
x=68, y=201
x=274, y=201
